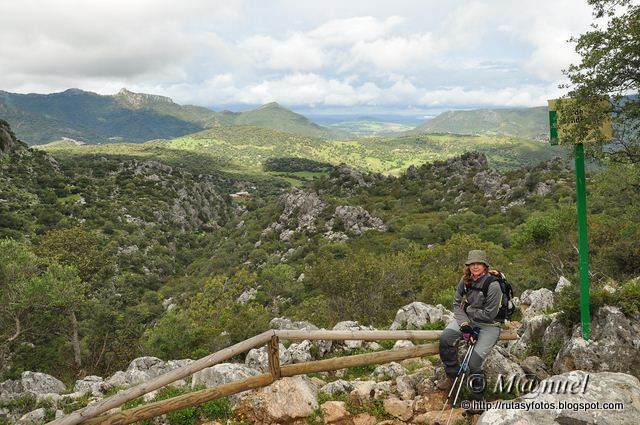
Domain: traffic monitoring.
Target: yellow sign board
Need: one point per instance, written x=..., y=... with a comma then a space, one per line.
x=562, y=123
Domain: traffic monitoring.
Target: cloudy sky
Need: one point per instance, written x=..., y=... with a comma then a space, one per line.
x=389, y=56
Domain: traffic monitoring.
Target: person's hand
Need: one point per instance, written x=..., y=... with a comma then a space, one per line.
x=469, y=333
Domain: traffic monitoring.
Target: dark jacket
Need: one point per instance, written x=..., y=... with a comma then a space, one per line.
x=479, y=309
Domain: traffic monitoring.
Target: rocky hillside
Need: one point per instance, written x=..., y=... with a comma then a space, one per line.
x=395, y=393
x=8, y=141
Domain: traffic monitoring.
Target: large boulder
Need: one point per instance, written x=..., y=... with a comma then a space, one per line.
x=222, y=373
x=31, y=382
x=500, y=363
x=143, y=369
x=258, y=358
x=533, y=303
x=579, y=408
x=286, y=400
x=93, y=385
x=613, y=346
x=417, y=314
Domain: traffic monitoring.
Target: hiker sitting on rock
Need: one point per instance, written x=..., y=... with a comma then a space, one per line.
x=476, y=304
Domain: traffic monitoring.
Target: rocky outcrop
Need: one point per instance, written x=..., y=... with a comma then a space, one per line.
x=491, y=182
x=8, y=141
x=301, y=209
x=354, y=221
x=614, y=345
x=418, y=314
x=579, y=408
x=346, y=178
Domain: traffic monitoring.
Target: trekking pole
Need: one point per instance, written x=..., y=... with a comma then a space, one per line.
x=453, y=405
x=463, y=365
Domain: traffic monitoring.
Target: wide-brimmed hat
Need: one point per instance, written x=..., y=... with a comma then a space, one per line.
x=477, y=256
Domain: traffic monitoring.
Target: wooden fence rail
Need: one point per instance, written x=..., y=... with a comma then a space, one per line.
x=91, y=414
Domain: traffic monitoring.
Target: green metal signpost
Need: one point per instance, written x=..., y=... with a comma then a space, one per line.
x=605, y=133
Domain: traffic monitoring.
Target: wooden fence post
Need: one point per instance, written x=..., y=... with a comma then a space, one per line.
x=274, y=357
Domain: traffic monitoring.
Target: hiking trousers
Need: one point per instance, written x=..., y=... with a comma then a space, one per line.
x=449, y=339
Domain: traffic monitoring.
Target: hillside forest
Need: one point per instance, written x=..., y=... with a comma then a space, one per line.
x=178, y=248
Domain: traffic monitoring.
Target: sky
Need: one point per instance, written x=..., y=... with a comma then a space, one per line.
x=328, y=56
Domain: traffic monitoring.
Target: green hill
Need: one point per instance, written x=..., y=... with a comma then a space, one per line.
x=528, y=123
x=132, y=117
x=274, y=116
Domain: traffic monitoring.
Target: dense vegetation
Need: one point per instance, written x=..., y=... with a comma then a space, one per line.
x=142, y=251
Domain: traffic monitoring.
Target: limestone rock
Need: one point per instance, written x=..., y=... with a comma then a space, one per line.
x=533, y=303
x=400, y=409
x=563, y=282
x=258, y=358
x=604, y=387
x=364, y=419
x=403, y=343
x=35, y=417
x=334, y=412
x=613, y=346
x=284, y=401
x=499, y=362
x=93, y=385
x=406, y=387
x=8, y=140
x=31, y=382
x=337, y=387
x=535, y=366
x=354, y=220
x=534, y=327
x=388, y=371
x=350, y=325
x=222, y=373
x=417, y=314
x=490, y=182
x=300, y=209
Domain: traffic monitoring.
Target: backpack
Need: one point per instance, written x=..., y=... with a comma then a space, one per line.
x=507, y=308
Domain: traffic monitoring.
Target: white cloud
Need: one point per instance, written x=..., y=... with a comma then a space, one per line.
x=354, y=30
x=405, y=52
x=294, y=53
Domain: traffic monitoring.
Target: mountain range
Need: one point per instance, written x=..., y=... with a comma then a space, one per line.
x=138, y=117
x=132, y=117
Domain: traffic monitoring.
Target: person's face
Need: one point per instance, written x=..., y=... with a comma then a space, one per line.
x=477, y=268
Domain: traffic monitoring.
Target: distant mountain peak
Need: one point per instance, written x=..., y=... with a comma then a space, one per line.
x=139, y=100
x=271, y=105
x=74, y=91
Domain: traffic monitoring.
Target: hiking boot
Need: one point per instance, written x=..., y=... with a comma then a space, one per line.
x=445, y=384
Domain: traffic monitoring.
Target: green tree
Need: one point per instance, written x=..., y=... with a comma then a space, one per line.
x=610, y=68
x=31, y=289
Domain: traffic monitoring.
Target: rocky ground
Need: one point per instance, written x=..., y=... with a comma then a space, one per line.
x=395, y=393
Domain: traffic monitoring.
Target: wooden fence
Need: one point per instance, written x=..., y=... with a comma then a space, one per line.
x=97, y=413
